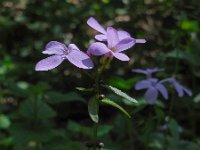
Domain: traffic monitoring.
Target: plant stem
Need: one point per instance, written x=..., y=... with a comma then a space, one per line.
x=97, y=89
x=95, y=136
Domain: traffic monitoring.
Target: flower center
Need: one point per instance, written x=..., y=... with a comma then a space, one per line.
x=66, y=51
x=112, y=49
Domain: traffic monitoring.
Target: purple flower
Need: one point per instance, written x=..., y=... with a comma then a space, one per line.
x=179, y=88
x=147, y=72
x=153, y=89
x=103, y=36
x=114, y=47
x=60, y=52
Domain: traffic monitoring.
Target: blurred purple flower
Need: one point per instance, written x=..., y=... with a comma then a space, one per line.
x=179, y=88
x=147, y=72
x=153, y=89
x=60, y=52
x=93, y=23
x=114, y=47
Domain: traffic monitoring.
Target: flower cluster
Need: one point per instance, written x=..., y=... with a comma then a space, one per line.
x=116, y=42
x=154, y=86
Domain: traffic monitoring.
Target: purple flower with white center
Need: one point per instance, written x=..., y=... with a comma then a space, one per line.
x=179, y=88
x=114, y=47
x=93, y=23
x=154, y=87
x=147, y=72
x=60, y=52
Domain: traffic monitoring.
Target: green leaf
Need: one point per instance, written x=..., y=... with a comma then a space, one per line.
x=122, y=83
x=197, y=98
x=23, y=133
x=111, y=103
x=84, y=130
x=4, y=121
x=56, y=97
x=78, y=128
x=189, y=25
x=174, y=128
x=103, y=130
x=93, y=109
x=122, y=94
x=84, y=89
x=33, y=108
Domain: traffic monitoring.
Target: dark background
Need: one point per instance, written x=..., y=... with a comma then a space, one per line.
x=44, y=111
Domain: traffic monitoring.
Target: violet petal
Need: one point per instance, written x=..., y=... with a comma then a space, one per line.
x=124, y=44
x=95, y=25
x=112, y=37
x=73, y=47
x=162, y=90
x=142, y=84
x=121, y=56
x=187, y=91
x=49, y=63
x=98, y=49
x=140, y=40
x=54, y=47
x=80, y=59
x=123, y=34
x=101, y=37
x=151, y=95
x=179, y=89
x=140, y=71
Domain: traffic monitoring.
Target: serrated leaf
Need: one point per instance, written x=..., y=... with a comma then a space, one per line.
x=111, y=103
x=93, y=109
x=122, y=94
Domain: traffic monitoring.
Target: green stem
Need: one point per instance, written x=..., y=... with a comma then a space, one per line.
x=97, y=77
x=95, y=136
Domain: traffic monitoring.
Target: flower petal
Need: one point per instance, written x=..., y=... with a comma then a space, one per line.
x=170, y=80
x=142, y=84
x=140, y=40
x=73, y=46
x=121, y=56
x=123, y=34
x=54, y=47
x=139, y=71
x=162, y=90
x=98, y=49
x=151, y=95
x=49, y=63
x=80, y=59
x=124, y=44
x=187, y=91
x=101, y=37
x=95, y=25
x=179, y=89
x=112, y=37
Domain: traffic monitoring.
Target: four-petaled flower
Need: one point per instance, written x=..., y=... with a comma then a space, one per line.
x=147, y=72
x=178, y=87
x=154, y=87
x=60, y=52
x=104, y=34
x=114, y=46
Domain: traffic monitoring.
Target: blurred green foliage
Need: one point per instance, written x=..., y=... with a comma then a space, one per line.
x=44, y=111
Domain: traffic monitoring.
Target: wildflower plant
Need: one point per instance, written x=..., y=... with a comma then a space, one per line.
x=155, y=86
x=112, y=43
